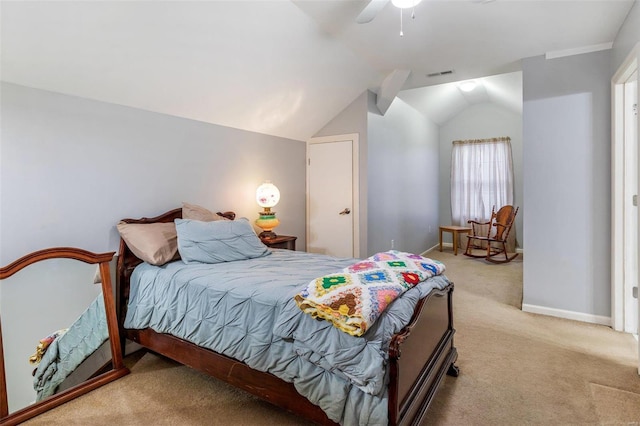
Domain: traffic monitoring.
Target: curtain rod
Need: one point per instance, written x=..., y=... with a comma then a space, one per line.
x=491, y=140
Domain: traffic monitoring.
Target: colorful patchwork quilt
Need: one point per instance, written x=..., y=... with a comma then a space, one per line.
x=353, y=299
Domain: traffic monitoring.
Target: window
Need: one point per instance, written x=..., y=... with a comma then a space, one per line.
x=481, y=177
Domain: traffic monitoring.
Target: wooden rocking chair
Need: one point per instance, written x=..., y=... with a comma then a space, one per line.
x=502, y=221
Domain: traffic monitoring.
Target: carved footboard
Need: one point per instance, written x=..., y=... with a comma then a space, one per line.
x=420, y=356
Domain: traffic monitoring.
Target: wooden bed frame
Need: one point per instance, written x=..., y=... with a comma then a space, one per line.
x=419, y=355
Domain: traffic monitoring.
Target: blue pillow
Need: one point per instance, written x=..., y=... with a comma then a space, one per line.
x=219, y=241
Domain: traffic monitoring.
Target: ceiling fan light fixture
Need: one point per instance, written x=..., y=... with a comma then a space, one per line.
x=405, y=4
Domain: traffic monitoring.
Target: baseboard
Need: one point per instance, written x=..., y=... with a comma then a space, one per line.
x=436, y=247
x=561, y=313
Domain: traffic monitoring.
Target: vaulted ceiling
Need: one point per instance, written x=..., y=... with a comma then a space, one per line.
x=280, y=67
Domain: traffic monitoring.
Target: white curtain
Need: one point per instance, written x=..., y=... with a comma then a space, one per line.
x=481, y=177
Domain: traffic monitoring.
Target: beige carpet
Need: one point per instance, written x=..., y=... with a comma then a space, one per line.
x=516, y=368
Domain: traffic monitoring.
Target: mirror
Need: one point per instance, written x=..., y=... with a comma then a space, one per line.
x=58, y=330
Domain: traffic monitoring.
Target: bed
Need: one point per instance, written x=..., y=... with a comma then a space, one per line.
x=405, y=368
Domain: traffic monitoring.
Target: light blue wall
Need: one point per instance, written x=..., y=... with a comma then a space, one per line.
x=403, y=170
x=72, y=167
x=567, y=177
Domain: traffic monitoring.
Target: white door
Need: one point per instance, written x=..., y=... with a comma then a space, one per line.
x=631, y=204
x=332, y=196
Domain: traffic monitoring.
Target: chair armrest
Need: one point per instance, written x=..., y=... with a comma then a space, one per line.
x=478, y=223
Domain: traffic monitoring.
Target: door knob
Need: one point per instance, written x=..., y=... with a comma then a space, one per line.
x=345, y=211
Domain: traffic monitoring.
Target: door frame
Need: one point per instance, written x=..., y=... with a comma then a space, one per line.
x=626, y=69
x=355, y=182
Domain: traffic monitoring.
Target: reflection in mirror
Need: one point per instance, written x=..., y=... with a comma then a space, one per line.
x=57, y=340
x=35, y=307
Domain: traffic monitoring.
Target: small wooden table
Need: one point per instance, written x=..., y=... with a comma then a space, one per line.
x=455, y=230
x=287, y=242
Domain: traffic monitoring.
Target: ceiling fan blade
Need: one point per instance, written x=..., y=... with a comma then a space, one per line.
x=371, y=10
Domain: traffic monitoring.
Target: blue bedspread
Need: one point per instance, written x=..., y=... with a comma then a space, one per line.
x=245, y=310
x=69, y=350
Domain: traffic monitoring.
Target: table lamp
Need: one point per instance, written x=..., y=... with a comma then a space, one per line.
x=267, y=196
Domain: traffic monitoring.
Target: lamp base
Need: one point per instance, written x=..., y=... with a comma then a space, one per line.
x=267, y=235
x=267, y=221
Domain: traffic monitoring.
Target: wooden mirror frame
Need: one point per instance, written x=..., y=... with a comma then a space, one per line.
x=118, y=369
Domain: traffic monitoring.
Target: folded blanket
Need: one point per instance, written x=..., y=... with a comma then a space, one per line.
x=353, y=299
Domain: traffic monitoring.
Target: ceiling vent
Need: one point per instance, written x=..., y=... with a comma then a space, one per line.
x=436, y=74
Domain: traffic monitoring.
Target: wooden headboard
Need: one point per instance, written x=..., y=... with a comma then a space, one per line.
x=127, y=261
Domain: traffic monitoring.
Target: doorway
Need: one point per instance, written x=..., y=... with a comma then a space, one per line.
x=332, y=196
x=625, y=183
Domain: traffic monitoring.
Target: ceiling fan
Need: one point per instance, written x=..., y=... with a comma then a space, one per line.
x=372, y=9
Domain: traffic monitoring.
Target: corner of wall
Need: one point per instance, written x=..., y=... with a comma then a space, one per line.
x=371, y=103
x=352, y=119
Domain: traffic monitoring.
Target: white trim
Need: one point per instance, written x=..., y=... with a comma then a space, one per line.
x=578, y=50
x=436, y=247
x=355, y=194
x=623, y=73
x=617, y=211
x=561, y=313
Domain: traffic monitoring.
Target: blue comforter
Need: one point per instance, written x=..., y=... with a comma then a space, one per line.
x=245, y=310
x=68, y=351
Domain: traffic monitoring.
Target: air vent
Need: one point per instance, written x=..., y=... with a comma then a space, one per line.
x=436, y=74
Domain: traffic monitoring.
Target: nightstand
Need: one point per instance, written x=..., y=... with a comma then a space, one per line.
x=281, y=241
